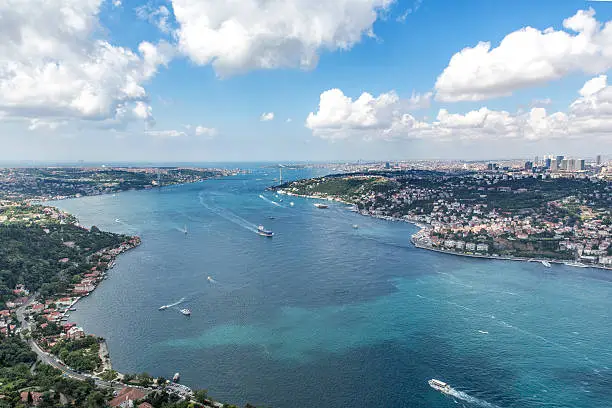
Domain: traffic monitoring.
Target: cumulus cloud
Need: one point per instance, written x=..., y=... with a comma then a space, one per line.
x=527, y=57
x=205, y=131
x=52, y=65
x=266, y=116
x=237, y=36
x=158, y=16
x=384, y=117
x=339, y=115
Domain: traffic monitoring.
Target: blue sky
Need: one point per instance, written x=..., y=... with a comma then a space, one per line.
x=211, y=70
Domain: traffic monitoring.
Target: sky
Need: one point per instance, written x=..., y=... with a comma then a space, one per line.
x=307, y=80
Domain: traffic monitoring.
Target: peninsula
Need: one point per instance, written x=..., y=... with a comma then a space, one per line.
x=510, y=215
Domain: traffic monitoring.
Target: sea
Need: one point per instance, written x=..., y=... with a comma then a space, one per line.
x=337, y=309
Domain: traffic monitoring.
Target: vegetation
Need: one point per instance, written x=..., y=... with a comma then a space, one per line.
x=80, y=354
x=43, y=254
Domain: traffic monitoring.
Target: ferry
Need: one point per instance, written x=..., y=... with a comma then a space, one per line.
x=545, y=263
x=319, y=205
x=186, y=312
x=577, y=264
x=264, y=232
x=164, y=307
x=439, y=386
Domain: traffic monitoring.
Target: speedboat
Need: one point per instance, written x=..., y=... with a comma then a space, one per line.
x=186, y=312
x=545, y=263
x=264, y=232
x=164, y=307
x=439, y=386
x=319, y=205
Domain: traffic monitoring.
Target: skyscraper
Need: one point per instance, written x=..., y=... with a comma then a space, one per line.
x=547, y=162
x=598, y=160
x=581, y=165
x=528, y=165
x=559, y=161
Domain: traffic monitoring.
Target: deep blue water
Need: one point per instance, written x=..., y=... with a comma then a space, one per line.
x=324, y=314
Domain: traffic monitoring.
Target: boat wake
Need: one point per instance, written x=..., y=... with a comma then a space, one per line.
x=211, y=280
x=266, y=199
x=468, y=398
x=178, y=302
x=230, y=216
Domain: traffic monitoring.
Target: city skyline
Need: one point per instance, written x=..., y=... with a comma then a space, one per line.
x=372, y=80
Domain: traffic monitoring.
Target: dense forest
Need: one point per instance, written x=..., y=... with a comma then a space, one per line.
x=47, y=257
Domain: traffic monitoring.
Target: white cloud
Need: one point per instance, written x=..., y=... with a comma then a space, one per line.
x=527, y=57
x=339, y=116
x=157, y=16
x=204, y=131
x=367, y=117
x=52, y=65
x=165, y=133
x=253, y=34
x=266, y=116
x=289, y=120
x=117, y=3
x=37, y=124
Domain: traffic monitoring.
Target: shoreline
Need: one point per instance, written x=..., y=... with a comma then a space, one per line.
x=423, y=227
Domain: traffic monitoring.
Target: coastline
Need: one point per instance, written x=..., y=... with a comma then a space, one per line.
x=424, y=228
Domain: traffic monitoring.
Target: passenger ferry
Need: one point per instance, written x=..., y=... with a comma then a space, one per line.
x=319, y=205
x=264, y=232
x=440, y=386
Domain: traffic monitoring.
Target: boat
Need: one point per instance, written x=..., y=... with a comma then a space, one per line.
x=186, y=312
x=72, y=309
x=264, y=232
x=319, y=205
x=439, y=386
x=185, y=230
x=176, y=377
x=292, y=203
x=545, y=263
x=577, y=264
x=355, y=226
x=164, y=307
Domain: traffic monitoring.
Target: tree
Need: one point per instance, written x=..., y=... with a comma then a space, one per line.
x=108, y=375
x=200, y=395
x=161, y=381
x=95, y=400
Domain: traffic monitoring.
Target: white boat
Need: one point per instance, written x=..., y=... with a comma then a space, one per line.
x=291, y=204
x=176, y=377
x=264, y=232
x=439, y=386
x=545, y=263
x=576, y=264
x=186, y=312
x=164, y=307
x=319, y=205
x=355, y=226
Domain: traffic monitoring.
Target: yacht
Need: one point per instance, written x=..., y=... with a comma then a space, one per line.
x=264, y=232
x=176, y=377
x=545, y=263
x=439, y=386
x=319, y=205
x=186, y=312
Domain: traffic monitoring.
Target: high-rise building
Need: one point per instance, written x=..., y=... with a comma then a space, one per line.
x=528, y=165
x=581, y=165
x=563, y=164
x=571, y=165
x=559, y=161
x=492, y=166
x=536, y=161
x=598, y=159
x=547, y=162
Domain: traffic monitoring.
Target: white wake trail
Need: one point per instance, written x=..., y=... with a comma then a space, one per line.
x=472, y=400
x=266, y=199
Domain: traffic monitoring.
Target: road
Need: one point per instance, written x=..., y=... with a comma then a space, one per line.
x=49, y=358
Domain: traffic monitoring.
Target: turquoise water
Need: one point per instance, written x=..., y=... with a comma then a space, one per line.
x=327, y=315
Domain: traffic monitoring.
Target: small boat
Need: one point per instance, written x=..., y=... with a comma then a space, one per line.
x=545, y=263
x=355, y=226
x=439, y=386
x=319, y=205
x=211, y=280
x=264, y=232
x=576, y=264
x=177, y=377
x=164, y=307
x=185, y=230
x=72, y=309
x=291, y=204
x=186, y=312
